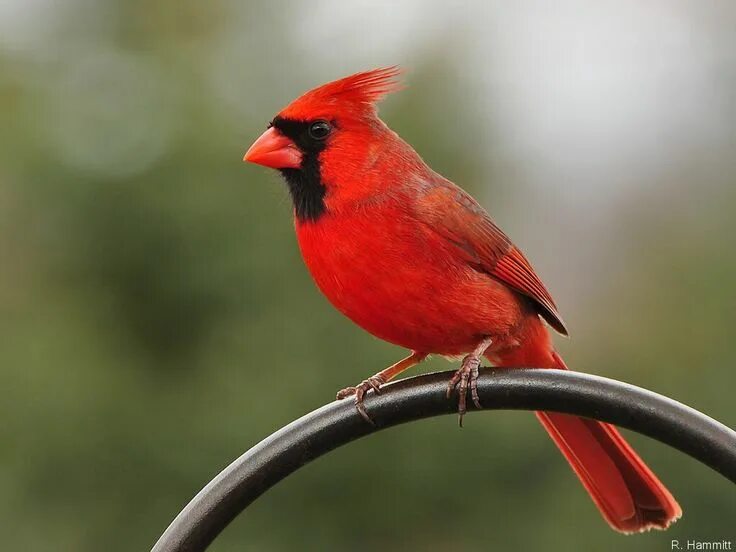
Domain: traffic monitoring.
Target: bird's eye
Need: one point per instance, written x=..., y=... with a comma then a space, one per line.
x=319, y=130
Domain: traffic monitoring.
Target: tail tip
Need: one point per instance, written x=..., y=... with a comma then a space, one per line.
x=653, y=520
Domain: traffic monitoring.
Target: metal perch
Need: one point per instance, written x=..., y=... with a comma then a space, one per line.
x=338, y=423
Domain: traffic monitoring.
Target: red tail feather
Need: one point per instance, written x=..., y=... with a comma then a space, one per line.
x=628, y=494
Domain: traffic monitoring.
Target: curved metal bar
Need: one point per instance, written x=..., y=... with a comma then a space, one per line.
x=338, y=423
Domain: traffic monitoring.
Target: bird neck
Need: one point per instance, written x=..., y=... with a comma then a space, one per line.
x=365, y=171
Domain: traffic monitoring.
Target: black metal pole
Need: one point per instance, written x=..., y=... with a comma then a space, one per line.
x=337, y=423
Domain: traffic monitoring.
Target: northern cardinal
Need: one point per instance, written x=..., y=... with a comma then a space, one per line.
x=414, y=260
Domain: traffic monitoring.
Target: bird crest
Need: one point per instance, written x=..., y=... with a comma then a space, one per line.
x=358, y=93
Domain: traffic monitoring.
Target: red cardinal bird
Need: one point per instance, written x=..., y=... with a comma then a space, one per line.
x=414, y=260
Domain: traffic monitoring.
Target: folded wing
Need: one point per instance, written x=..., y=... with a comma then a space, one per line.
x=458, y=218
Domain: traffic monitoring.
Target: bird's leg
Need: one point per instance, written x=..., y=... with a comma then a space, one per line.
x=375, y=382
x=468, y=373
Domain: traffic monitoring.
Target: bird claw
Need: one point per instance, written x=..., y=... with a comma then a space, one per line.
x=466, y=375
x=359, y=391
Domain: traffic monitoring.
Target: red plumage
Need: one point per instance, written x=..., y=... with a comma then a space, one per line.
x=414, y=260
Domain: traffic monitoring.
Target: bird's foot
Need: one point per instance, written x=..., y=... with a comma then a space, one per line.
x=467, y=375
x=359, y=391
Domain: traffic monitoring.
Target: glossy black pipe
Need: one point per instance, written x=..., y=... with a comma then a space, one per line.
x=337, y=423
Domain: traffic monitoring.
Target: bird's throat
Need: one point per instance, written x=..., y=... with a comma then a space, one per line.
x=306, y=189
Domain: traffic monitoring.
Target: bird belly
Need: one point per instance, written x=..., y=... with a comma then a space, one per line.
x=399, y=281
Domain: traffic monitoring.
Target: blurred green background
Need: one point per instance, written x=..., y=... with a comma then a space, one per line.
x=156, y=319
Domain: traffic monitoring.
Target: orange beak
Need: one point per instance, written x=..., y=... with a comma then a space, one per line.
x=274, y=150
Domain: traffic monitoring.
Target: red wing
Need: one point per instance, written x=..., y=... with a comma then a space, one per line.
x=515, y=270
x=457, y=217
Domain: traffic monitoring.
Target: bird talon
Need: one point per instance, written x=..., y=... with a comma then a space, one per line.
x=360, y=407
x=359, y=391
x=345, y=393
x=474, y=387
x=376, y=382
x=452, y=384
x=466, y=376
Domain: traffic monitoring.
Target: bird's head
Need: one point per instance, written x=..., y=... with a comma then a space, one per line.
x=327, y=136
